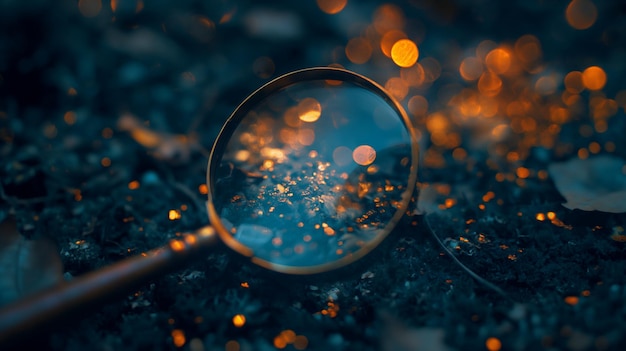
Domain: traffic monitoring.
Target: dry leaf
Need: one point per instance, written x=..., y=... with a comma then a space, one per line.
x=26, y=266
x=593, y=184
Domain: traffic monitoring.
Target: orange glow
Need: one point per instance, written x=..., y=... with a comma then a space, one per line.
x=404, y=53
x=107, y=133
x=413, y=76
x=306, y=136
x=174, y=215
x=301, y=342
x=540, y=217
x=105, y=162
x=418, y=105
x=594, y=147
x=231, y=345
x=291, y=117
x=203, y=189
x=436, y=123
x=449, y=202
x=227, y=16
x=397, y=87
x=329, y=231
x=133, y=185
x=459, y=154
x=498, y=60
x=288, y=335
x=390, y=38
x=581, y=14
x=146, y=137
x=574, y=82
x=583, y=153
x=358, y=50
x=331, y=7
x=528, y=49
x=177, y=245
x=489, y=84
x=364, y=155
x=594, y=78
x=388, y=17
x=309, y=110
x=489, y=196
x=89, y=8
x=69, y=117
x=279, y=342
x=471, y=68
x=277, y=241
x=239, y=320
x=245, y=285
x=493, y=344
x=522, y=172
x=113, y=5
x=551, y=215
x=571, y=300
x=178, y=337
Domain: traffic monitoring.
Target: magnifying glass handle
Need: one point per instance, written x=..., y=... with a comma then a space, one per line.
x=36, y=312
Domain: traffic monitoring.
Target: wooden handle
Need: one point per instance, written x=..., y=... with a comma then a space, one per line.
x=75, y=297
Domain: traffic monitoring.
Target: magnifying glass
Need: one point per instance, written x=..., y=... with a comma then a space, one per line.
x=310, y=173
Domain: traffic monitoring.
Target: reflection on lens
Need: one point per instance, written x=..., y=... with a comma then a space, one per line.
x=311, y=177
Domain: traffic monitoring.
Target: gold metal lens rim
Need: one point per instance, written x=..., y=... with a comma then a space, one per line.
x=307, y=74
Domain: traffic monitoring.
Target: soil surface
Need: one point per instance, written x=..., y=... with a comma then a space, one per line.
x=109, y=109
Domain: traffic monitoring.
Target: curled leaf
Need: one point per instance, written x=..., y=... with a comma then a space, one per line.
x=594, y=184
x=26, y=266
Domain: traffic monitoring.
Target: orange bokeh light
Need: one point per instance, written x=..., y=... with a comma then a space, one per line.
x=309, y=110
x=404, y=53
x=493, y=344
x=581, y=14
x=574, y=82
x=594, y=78
x=471, y=68
x=418, y=105
x=239, y=320
x=390, y=38
x=178, y=337
x=489, y=84
x=358, y=50
x=413, y=76
x=397, y=88
x=364, y=155
x=388, y=17
x=89, y=8
x=331, y=7
x=528, y=49
x=498, y=60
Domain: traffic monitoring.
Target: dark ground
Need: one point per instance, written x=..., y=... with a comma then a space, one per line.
x=101, y=190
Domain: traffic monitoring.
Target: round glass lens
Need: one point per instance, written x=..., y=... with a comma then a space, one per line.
x=312, y=171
